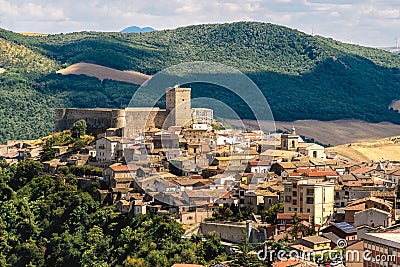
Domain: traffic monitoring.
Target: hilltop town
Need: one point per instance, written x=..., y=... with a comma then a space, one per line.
x=243, y=186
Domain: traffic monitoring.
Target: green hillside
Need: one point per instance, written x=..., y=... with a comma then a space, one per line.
x=302, y=76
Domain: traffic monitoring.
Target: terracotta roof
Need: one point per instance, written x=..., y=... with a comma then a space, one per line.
x=353, y=183
x=287, y=165
x=282, y=235
x=288, y=216
x=186, y=182
x=362, y=170
x=303, y=163
x=383, y=194
x=322, y=173
x=120, y=168
x=205, y=193
x=316, y=239
x=259, y=163
x=265, y=193
x=289, y=262
x=348, y=177
x=355, y=207
x=375, y=199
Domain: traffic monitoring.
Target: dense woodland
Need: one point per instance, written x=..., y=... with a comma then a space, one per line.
x=302, y=76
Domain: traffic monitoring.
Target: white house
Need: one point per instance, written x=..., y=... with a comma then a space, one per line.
x=139, y=208
x=110, y=148
x=106, y=148
x=259, y=166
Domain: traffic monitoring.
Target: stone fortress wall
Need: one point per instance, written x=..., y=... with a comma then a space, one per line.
x=132, y=120
x=97, y=119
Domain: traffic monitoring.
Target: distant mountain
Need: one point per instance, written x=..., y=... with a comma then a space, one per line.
x=302, y=76
x=136, y=29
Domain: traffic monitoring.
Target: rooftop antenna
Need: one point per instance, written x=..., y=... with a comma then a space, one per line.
x=312, y=31
x=397, y=43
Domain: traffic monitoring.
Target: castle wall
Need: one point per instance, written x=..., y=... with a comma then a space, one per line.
x=97, y=119
x=139, y=119
x=132, y=120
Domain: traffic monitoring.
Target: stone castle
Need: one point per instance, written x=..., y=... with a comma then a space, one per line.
x=133, y=120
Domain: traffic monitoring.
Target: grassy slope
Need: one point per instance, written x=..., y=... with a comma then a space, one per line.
x=383, y=149
x=303, y=77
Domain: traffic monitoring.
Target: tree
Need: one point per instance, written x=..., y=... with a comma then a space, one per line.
x=97, y=248
x=296, y=225
x=270, y=214
x=24, y=172
x=212, y=247
x=79, y=129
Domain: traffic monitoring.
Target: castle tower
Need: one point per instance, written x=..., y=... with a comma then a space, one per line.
x=290, y=141
x=178, y=106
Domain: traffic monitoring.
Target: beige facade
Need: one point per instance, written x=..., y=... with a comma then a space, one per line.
x=316, y=152
x=178, y=106
x=290, y=141
x=303, y=196
x=373, y=217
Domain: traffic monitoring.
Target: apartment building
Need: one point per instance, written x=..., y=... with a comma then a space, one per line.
x=307, y=196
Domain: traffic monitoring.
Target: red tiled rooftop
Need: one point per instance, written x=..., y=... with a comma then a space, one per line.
x=287, y=216
x=322, y=173
x=362, y=170
x=259, y=163
x=123, y=168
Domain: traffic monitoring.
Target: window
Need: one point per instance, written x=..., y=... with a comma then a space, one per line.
x=288, y=199
x=310, y=192
x=293, y=143
x=294, y=193
x=314, y=154
x=310, y=200
x=289, y=209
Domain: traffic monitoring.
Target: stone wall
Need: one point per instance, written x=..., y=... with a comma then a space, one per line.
x=234, y=232
x=97, y=119
x=139, y=119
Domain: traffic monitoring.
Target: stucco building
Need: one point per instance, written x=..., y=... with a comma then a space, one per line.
x=306, y=196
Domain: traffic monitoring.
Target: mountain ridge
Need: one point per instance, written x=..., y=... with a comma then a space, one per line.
x=136, y=29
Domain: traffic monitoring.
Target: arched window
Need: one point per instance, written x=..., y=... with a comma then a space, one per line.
x=293, y=143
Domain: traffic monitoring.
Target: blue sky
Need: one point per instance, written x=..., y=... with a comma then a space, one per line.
x=365, y=22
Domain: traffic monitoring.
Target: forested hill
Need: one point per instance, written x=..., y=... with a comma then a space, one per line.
x=302, y=76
